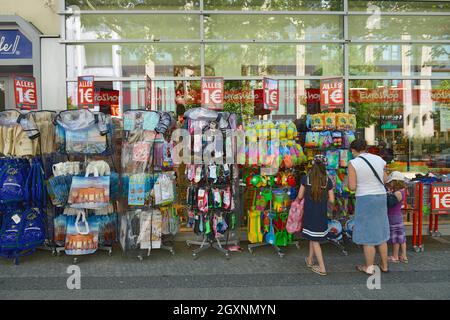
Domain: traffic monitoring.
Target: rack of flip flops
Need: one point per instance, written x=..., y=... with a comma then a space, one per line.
x=84, y=188
x=24, y=221
x=276, y=159
x=331, y=134
x=149, y=219
x=211, y=193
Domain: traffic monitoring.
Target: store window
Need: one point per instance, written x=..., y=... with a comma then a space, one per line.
x=132, y=26
x=384, y=27
x=273, y=59
x=400, y=59
x=134, y=60
x=134, y=4
x=399, y=6
x=276, y=27
x=411, y=116
x=275, y=5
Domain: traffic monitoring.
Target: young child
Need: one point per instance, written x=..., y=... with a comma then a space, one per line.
x=396, y=184
x=317, y=190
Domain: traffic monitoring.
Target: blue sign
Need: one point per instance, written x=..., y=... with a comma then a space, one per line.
x=14, y=45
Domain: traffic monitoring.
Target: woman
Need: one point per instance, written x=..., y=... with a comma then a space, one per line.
x=371, y=220
x=316, y=189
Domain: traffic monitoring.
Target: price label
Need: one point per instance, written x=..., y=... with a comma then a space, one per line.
x=212, y=93
x=440, y=198
x=86, y=92
x=25, y=92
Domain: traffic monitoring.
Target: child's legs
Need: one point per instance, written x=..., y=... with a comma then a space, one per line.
x=395, y=249
x=318, y=254
x=311, y=253
x=403, y=247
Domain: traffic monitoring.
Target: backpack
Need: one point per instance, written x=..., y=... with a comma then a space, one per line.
x=14, y=184
x=294, y=222
x=22, y=233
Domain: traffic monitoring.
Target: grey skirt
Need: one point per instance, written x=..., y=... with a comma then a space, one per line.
x=371, y=220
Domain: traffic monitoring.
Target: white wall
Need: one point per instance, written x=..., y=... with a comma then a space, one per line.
x=53, y=74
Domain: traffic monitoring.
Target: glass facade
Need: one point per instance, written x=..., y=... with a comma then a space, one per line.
x=394, y=57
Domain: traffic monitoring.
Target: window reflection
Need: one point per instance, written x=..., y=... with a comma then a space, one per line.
x=400, y=59
x=411, y=116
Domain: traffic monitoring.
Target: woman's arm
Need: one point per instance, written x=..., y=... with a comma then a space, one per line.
x=331, y=198
x=385, y=175
x=399, y=196
x=351, y=177
x=301, y=193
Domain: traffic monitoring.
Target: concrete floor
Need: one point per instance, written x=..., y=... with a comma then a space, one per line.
x=260, y=276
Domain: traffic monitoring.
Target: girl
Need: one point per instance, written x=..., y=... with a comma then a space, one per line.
x=317, y=190
x=396, y=184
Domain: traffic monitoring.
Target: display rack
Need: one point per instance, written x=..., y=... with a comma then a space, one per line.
x=211, y=240
x=84, y=160
x=252, y=246
x=143, y=125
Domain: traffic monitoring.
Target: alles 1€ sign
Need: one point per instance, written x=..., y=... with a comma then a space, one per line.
x=14, y=45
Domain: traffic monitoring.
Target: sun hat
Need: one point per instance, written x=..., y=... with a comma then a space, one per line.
x=396, y=176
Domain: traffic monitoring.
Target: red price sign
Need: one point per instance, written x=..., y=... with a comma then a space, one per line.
x=332, y=94
x=212, y=93
x=440, y=198
x=86, y=93
x=25, y=92
x=271, y=96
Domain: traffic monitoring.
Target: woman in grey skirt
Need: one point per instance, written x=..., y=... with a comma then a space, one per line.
x=371, y=220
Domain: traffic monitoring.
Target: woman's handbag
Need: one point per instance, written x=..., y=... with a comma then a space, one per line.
x=392, y=200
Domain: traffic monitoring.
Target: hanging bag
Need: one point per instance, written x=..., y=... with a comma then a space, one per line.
x=164, y=190
x=295, y=219
x=89, y=192
x=81, y=234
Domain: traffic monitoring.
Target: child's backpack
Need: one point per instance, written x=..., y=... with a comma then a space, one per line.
x=14, y=185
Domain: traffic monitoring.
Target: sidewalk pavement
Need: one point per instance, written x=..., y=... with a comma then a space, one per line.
x=262, y=275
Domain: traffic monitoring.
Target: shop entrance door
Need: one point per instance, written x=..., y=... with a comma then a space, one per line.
x=4, y=92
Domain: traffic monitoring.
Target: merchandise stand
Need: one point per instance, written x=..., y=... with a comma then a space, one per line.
x=213, y=241
x=142, y=167
x=84, y=160
x=25, y=144
x=252, y=246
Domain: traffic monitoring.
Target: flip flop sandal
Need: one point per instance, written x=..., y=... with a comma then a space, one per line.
x=315, y=269
x=403, y=260
x=308, y=265
x=384, y=271
x=363, y=269
x=393, y=260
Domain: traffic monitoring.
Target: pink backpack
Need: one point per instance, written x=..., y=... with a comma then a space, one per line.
x=294, y=222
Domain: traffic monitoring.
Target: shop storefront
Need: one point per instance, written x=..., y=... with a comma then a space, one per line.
x=390, y=57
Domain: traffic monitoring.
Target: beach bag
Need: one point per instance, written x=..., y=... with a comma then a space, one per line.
x=81, y=132
x=294, y=222
x=164, y=190
x=81, y=234
x=89, y=192
x=150, y=230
